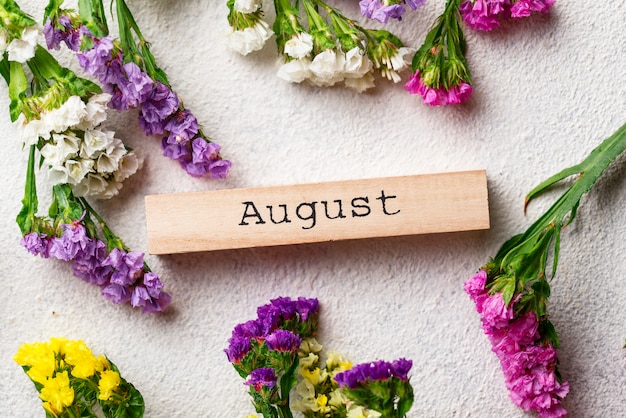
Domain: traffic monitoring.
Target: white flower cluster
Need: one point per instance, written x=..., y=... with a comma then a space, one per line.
x=327, y=68
x=21, y=49
x=255, y=34
x=77, y=151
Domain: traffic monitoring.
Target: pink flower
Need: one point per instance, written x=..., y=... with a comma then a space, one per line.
x=438, y=96
x=495, y=312
x=523, y=8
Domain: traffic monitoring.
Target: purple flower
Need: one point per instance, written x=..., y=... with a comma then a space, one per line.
x=249, y=329
x=73, y=240
x=306, y=307
x=261, y=378
x=283, y=341
x=36, y=244
x=157, y=304
x=175, y=151
x=219, y=169
x=61, y=31
x=128, y=266
x=380, y=370
x=96, y=60
x=237, y=349
x=116, y=293
x=182, y=127
x=381, y=11
x=89, y=266
x=401, y=368
x=136, y=86
x=160, y=103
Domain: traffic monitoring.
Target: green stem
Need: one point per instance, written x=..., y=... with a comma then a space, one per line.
x=113, y=241
x=27, y=215
x=563, y=211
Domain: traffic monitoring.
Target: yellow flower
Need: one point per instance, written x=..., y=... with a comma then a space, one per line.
x=310, y=345
x=57, y=392
x=251, y=416
x=109, y=382
x=40, y=358
x=308, y=361
x=337, y=363
x=78, y=355
x=320, y=404
x=314, y=376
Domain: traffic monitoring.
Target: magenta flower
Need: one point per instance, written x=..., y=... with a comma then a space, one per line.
x=438, y=96
x=528, y=360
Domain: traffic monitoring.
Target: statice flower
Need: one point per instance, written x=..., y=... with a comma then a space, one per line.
x=70, y=380
x=321, y=46
x=138, y=84
x=383, y=10
x=486, y=15
x=441, y=74
x=528, y=358
x=249, y=31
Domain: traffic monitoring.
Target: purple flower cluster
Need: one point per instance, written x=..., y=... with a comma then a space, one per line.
x=383, y=10
x=261, y=378
x=486, y=14
x=161, y=112
x=363, y=373
x=281, y=324
x=121, y=275
x=529, y=365
x=438, y=96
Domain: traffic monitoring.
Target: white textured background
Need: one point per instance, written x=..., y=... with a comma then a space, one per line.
x=547, y=90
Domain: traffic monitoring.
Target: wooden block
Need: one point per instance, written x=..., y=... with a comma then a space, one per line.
x=284, y=215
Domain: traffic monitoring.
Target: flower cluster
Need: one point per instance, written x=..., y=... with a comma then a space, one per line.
x=383, y=10
x=440, y=71
x=511, y=291
x=381, y=386
x=328, y=50
x=129, y=74
x=71, y=380
x=441, y=75
x=485, y=15
x=76, y=149
x=527, y=355
x=277, y=352
x=60, y=116
x=264, y=351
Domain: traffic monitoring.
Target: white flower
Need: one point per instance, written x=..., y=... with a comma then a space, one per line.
x=23, y=49
x=31, y=131
x=295, y=71
x=91, y=185
x=360, y=84
x=247, y=6
x=327, y=68
x=68, y=114
x=397, y=63
x=58, y=174
x=299, y=46
x=77, y=170
x=94, y=142
x=112, y=188
x=95, y=110
x=57, y=152
x=250, y=39
x=128, y=165
x=356, y=64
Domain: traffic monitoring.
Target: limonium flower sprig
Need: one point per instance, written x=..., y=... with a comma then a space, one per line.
x=60, y=116
x=128, y=71
x=277, y=353
x=71, y=380
x=511, y=291
x=486, y=15
x=383, y=10
x=318, y=43
x=441, y=74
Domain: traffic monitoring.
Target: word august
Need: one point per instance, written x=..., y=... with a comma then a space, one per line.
x=307, y=211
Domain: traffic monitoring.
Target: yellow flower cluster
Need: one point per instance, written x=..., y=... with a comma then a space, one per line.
x=58, y=362
x=317, y=394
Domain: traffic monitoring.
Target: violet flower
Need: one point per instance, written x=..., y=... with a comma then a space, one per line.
x=283, y=341
x=383, y=10
x=261, y=378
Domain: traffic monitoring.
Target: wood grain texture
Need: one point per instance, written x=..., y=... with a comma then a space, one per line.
x=285, y=215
